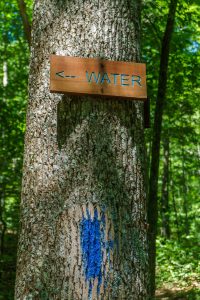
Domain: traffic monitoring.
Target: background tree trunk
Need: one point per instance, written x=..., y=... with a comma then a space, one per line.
x=185, y=195
x=3, y=224
x=83, y=209
x=25, y=20
x=174, y=205
x=164, y=209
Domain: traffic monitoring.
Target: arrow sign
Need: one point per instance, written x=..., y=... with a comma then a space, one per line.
x=61, y=74
x=94, y=76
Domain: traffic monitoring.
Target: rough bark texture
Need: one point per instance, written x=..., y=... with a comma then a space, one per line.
x=155, y=155
x=83, y=210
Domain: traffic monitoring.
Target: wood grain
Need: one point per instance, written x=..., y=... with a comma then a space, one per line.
x=92, y=76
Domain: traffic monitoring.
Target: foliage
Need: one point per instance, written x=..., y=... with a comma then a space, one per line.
x=177, y=260
x=181, y=127
x=14, y=55
x=7, y=268
x=181, y=114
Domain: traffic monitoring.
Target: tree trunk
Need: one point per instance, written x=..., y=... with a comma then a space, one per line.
x=83, y=210
x=185, y=195
x=155, y=156
x=5, y=74
x=165, y=212
x=3, y=225
x=174, y=205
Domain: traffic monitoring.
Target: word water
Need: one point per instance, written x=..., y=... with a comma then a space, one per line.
x=113, y=78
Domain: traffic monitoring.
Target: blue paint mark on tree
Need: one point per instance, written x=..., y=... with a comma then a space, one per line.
x=93, y=245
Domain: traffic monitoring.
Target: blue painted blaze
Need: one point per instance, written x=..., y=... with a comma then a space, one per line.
x=91, y=248
x=94, y=247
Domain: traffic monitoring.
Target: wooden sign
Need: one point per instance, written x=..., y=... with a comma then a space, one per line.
x=92, y=76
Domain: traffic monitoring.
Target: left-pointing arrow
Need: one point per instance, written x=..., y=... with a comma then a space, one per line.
x=60, y=74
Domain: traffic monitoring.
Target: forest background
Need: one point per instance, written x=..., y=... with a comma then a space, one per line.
x=178, y=184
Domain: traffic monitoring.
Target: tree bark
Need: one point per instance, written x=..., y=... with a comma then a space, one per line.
x=83, y=210
x=155, y=156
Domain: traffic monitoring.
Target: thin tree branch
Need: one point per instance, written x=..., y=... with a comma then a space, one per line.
x=155, y=31
x=25, y=20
